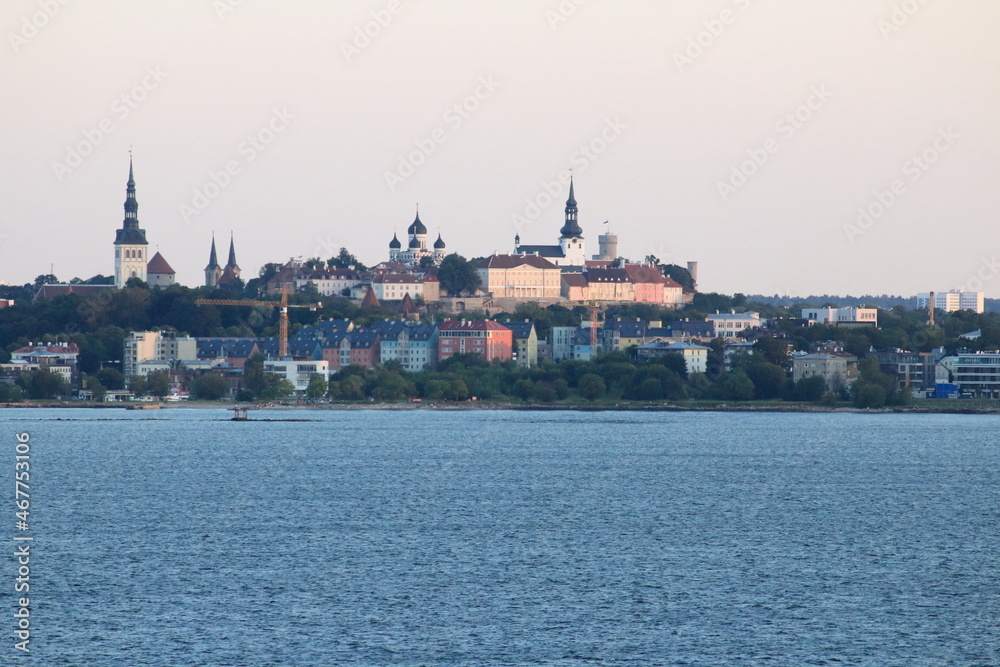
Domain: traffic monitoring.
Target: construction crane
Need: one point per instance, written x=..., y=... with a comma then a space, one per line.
x=593, y=328
x=282, y=307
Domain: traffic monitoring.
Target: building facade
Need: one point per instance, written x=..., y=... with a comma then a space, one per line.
x=519, y=276
x=486, y=338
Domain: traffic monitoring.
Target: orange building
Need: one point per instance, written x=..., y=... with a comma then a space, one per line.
x=485, y=337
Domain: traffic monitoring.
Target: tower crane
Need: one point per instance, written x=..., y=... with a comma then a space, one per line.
x=281, y=305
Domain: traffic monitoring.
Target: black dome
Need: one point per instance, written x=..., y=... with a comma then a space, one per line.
x=417, y=227
x=439, y=244
x=394, y=243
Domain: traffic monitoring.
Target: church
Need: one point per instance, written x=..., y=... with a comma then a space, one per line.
x=132, y=249
x=416, y=249
x=570, y=252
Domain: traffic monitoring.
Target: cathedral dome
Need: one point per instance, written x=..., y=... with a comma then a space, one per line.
x=394, y=244
x=414, y=243
x=439, y=244
x=416, y=227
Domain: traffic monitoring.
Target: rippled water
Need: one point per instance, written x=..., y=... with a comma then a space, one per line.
x=511, y=538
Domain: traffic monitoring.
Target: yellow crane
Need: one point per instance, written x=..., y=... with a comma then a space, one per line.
x=282, y=307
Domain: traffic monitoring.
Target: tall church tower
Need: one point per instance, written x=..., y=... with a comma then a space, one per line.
x=213, y=271
x=231, y=265
x=130, y=241
x=571, y=236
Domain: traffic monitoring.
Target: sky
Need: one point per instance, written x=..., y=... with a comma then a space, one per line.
x=789, y=147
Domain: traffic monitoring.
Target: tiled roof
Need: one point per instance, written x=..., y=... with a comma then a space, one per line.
x=471, y=325
x=541, y=250
x=158, y=265
x=514, y=261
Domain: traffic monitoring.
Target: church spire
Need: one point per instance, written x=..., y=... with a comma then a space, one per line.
x=131, y=204
x=231, y=264
x=571, y=228
x=213, y=259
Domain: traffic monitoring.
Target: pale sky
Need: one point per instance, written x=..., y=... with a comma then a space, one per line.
x=839, y=96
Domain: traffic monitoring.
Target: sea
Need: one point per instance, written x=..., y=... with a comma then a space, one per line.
x=477, y=537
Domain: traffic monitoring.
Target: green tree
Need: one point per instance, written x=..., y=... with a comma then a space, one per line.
x=768, y=379
x=45, y=384
x=591, y=386
x=317, y=387
x=456, y=275
x=810, y=388
x=345, y=260
x=111, y=379
x=524, y=389
x=738, y=386
x=158, y=383
x=457, y=390
x=209, y=387
x=138, y=385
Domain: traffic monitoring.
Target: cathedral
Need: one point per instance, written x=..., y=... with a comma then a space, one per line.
x=570, y=251
x=217, y=276
x=417, y=247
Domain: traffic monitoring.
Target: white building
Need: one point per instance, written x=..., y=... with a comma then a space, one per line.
x=976, y=373
x=731, y=325
x=329, y=282
x=571, y=250
x=954, y=300
x=298, y=372
x=841, y=316
x=695, y=356
x=562, y=343
x=164, y=346
x=394, y=286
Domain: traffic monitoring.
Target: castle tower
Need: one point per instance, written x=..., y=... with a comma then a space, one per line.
x=571, y=235
x=608, y=246
x=213, y=271
x=130, y=240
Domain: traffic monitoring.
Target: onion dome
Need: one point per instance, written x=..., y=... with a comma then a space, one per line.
x=394, y=244
x=439, y=244
x=416, y=227
x=414, y=243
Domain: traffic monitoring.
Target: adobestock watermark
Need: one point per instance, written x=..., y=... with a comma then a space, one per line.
x=223, y=7
x=562, y=12
x=551, y=191
x=899, y=16
x=32, y=25
x=454, y=117
x=913, y=169
x=786, y=128
x=365, y=34
x=121, y=108
x=247, y=151
x=988, y=269
x=703, y=40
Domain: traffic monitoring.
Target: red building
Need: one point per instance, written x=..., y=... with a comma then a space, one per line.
x=484, y=337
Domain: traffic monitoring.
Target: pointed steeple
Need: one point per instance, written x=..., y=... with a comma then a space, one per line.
x=571, y=228
x=213, y=259
x=231, y=264
x=130, y=234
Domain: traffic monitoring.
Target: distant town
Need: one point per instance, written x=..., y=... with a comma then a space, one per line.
x=541, y=324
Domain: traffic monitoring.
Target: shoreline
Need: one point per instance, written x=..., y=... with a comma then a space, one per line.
x=545, y=407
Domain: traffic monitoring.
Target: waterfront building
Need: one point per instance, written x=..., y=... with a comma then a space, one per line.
x=525, y=342
x=977, y=374
x=487, y=338
x=837, y=370
x=695, y=356
x=165, y=346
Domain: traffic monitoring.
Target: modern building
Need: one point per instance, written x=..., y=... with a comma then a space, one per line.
x=837, y=317
x=487, y=338
x=954, y=300
x=519, y=277
x=570, y=250
x=732, y=325
x=913, y=370
x=167, y=346
x=297, y=372
x=977, y=374
x=561, y=343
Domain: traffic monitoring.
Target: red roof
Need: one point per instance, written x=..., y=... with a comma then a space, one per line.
x=158, y=265
x=514, y=261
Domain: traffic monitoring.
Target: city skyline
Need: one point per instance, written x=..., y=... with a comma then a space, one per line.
x=787, y=149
